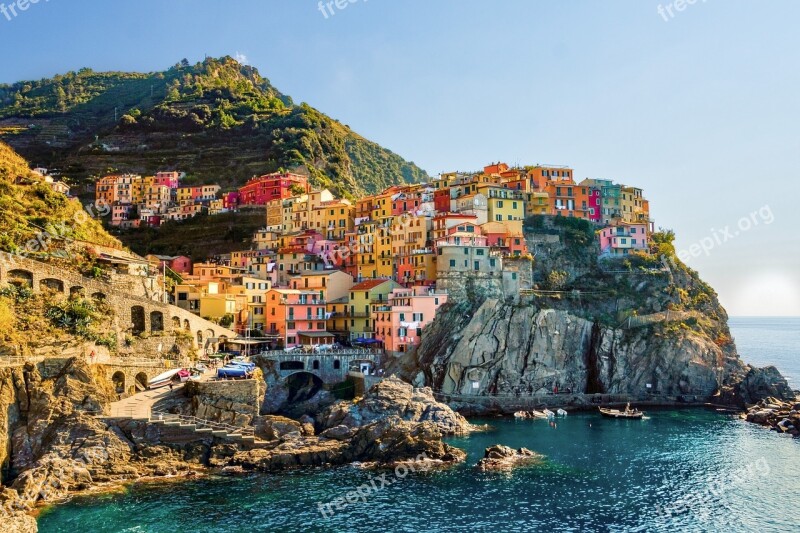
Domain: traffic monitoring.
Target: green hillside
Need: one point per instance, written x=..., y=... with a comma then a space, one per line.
x=33, y=219
x=218, y=120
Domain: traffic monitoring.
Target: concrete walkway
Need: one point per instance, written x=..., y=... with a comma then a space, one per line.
x=139, y=405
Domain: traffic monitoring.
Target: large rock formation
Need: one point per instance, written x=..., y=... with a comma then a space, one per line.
x=518, y=349
x=642, y=326
x=393, y=397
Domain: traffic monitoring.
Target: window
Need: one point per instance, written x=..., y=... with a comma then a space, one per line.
x=452, y=263
x=337, y=364
x=477, y=265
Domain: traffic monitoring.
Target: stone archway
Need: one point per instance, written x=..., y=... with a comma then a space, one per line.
x=303, y=386
x=21, y=278
x=186, y=324
x=99, y=297
x=77, y=291
x=199, y=338
x=156, y=321
x=176, y=322
x=118, y=379
x=142, y=382
x=137, y=319
x=51, y=284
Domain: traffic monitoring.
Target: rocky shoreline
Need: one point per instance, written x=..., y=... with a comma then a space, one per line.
x=780, y=416
x=57, y=444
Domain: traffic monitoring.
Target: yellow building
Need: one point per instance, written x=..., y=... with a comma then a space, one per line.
x=359, y=307
x=537, y=203
x=338, y=322
x=633, y=206
x=334, y=219
x=503, y=204
x=384, y=260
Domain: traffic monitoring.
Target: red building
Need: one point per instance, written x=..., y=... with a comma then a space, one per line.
x=441, y=200
x=264, y=189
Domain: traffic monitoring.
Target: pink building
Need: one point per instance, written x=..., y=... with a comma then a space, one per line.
x=400, y=321
x=180, y=264
x=231, y=200
x=120, y=214
x=498, y=237
x=595, y=211
x=167, y=179
x=623, y=238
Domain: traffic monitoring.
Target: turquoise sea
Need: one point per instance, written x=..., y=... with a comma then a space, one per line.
x=677, y=470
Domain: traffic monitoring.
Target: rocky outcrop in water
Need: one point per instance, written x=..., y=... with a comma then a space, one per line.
x=499, y=458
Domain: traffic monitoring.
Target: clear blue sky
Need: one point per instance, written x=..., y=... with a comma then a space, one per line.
x=701, y=110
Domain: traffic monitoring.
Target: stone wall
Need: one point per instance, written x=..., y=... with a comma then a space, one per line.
x=234, y=402
x=472, y=286
x=133, y=313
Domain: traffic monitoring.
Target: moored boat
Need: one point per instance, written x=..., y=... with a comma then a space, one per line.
x=170, y=376
x=561, y=412
x=626, y=413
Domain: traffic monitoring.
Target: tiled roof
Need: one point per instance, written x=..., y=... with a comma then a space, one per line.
x=369, y=284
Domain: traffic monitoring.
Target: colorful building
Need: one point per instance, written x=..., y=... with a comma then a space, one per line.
x=624, y=238
x=278, y=186
x=399, y=322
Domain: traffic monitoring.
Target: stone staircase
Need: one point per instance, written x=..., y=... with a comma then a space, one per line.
x=204, y=427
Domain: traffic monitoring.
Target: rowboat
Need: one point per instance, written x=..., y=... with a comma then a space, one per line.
x=178, y=375
x=530, y=414
x=616, y=413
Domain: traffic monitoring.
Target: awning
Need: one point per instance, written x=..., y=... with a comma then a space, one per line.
x=245, y=342
x=316, y=334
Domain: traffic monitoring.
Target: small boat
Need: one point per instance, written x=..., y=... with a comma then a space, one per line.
x=549, y=414
x=561, y=412
x=529, y=414
x=616, y=413
x=233, y=372
x=178, y=375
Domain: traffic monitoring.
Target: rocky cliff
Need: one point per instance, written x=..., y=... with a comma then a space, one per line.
x=643, y=326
